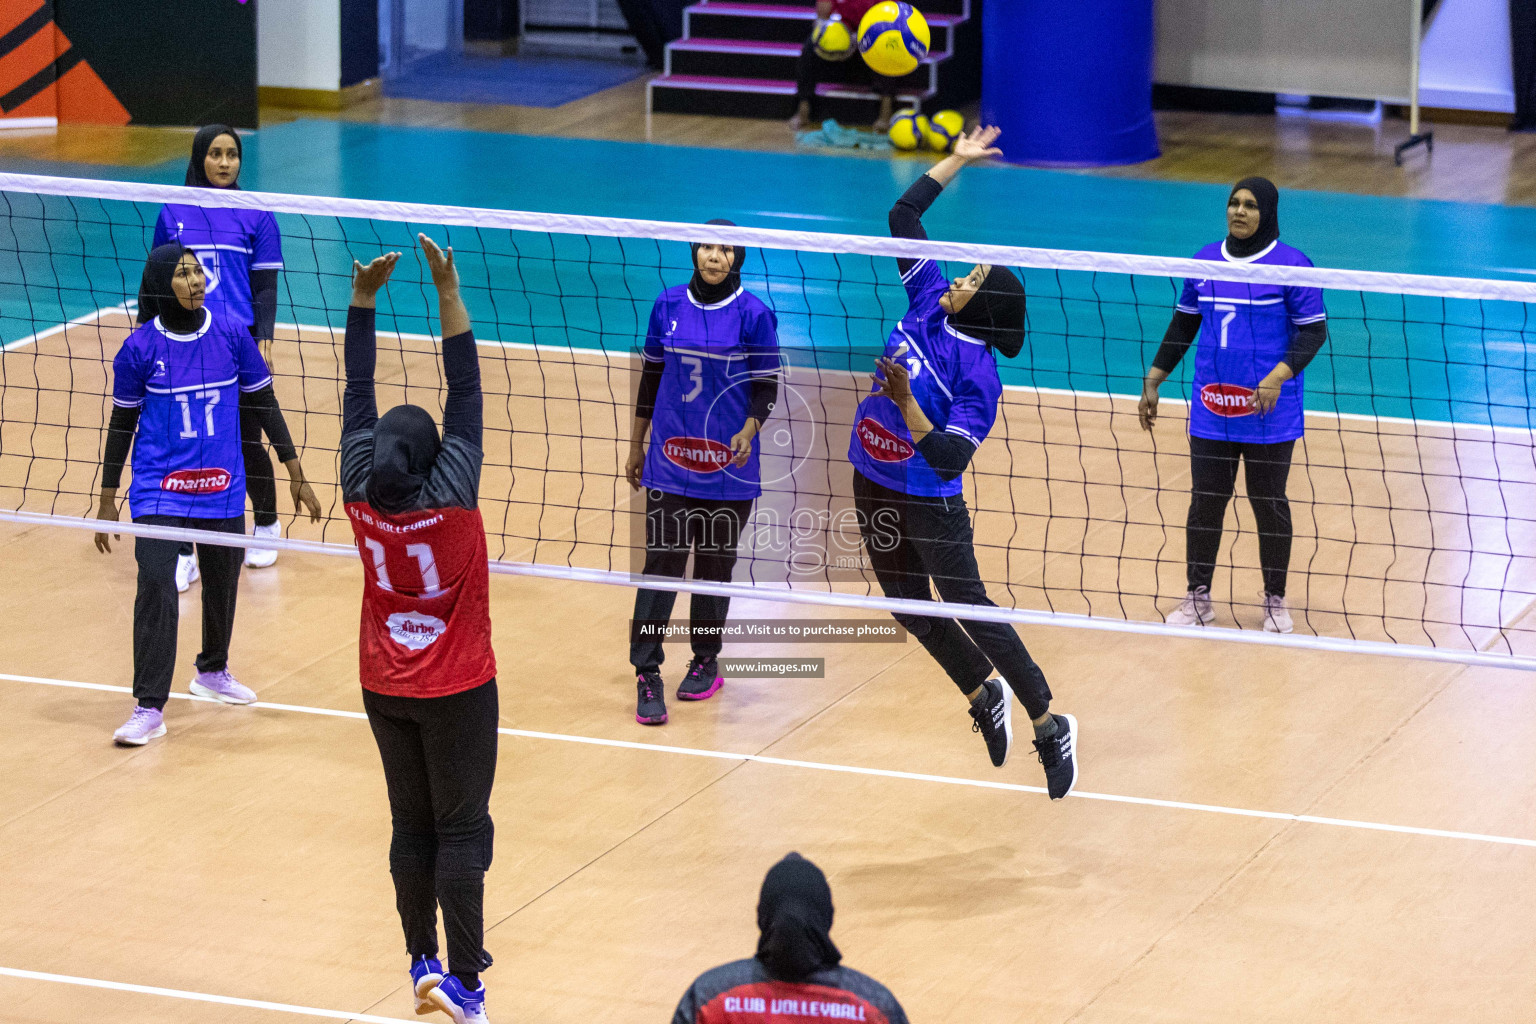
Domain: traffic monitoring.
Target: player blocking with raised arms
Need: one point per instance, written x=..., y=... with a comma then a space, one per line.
x=933, y=402
x=427, y=668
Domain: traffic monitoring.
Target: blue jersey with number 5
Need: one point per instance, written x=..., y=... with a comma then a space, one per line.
x=229, y=244
x=186, y=452
x=954, y=379
x=1245, y=329
x=710, y=356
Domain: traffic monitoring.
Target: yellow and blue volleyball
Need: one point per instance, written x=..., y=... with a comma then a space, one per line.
x=943, y=129
x=832, y=40
x=908, y=130
x=893, y=37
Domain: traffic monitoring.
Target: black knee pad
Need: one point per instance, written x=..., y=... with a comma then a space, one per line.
x=467, y=855
x=412, y=852
x=919, y=626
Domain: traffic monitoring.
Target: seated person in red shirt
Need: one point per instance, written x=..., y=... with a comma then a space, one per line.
x=813, y=67
x=796, y=972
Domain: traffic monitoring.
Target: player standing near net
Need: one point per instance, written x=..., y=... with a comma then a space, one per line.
x=179, y=385
x=709, y=379
x=426, y=665
x=934, y=401
x=242, y=255
x=1254, y=342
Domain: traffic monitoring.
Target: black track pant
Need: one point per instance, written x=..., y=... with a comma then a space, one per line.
x=439, y=758
x=260, y=483
x=674, y=526
x=914, y=540
x=812, y=71
x=1213, y=475
x=157, y=610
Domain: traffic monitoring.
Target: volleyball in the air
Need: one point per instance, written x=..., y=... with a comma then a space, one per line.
x=893, y=37
x=943, y=129
x=832, y=40
x=908, y=130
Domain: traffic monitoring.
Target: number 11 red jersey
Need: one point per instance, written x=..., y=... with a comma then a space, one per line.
x=426, y=624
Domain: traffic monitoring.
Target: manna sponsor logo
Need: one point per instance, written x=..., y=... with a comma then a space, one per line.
x=196, y=481
x=697, y=454
x=1227, y=399
x=880, y=443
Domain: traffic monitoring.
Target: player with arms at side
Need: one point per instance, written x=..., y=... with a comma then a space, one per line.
x=242, y=255
x=179, y=384
x=426, y=665
x=933, y=402
x=1254, y=342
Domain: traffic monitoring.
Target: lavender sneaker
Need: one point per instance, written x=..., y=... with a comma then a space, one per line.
x=222, y=686
x=464, y=1006
x=143, y=725
x=426, y=975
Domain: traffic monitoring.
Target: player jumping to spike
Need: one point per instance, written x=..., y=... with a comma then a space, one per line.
x=933, y=402
x=427, y=668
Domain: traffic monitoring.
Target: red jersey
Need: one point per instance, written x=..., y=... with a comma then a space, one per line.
x=852, y=11
x=426, y=623
x=743, y=993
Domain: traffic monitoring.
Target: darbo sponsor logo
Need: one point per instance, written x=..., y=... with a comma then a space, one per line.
x=880, y=444
x=415, y=630
x=794, y=1008
x=697, y=454
x=196, y=481
x=1227, y=399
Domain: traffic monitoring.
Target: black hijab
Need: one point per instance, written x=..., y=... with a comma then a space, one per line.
x=1268, y=198
x=405, y=447
x=995, y=313
x=197, y=167
x=708, y=294
x=156, y=296
x=794, y=915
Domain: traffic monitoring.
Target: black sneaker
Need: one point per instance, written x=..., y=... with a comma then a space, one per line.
x=702, y=681
x=993, y=718
x=1059, y=756
x=651, y=707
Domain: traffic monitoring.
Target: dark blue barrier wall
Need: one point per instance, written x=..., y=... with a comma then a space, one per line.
x=1069, y=83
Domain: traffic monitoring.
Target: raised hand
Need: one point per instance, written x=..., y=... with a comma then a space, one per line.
x=440, y=261
x=977, y=144
x=366, y=281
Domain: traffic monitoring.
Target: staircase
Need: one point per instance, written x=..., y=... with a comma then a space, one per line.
x=737, y=58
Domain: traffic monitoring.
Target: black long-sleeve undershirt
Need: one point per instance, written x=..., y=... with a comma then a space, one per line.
x=124, y=422
x=906, y=217
x=1185, y=327
x=463, y=409
x=359, y=407
x=947, y=454
x=264, y=303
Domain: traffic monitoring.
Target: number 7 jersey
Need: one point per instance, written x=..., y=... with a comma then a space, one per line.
x=426, y=615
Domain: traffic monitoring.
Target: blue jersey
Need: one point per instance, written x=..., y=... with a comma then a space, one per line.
x=710, y=355
x=229, y=244
x=186, y=452
x=954, y=379
x=1246, y=328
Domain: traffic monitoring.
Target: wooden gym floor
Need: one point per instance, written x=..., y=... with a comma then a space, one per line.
x=1261, y=834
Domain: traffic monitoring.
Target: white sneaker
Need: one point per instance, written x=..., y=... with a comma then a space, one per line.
x=1277, y=617
x=1194, y=610
x=143, y=725
x=186, y=572
x=261, y=558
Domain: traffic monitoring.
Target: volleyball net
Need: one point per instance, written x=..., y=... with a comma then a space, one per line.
x=1413, y=493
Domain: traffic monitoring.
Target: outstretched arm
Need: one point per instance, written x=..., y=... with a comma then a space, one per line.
x=463, y=410
x=906, y=217
x=359, y=409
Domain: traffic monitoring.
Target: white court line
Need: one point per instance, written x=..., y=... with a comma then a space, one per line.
x=886, y=773
x=198, y=997
x=11, y=346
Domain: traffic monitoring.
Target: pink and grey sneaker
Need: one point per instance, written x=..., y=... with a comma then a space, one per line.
x=650, y=702
x=143, y=725
x=702, y=681
x=222, y=686
x=458, y=1002
x=426, y=975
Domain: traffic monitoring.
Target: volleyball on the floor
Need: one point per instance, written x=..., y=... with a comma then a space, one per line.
x=908, y=130
x=893, y=37
x=943, y=129
x=832, y=40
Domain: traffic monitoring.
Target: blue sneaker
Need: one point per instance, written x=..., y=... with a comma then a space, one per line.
x=426, y=975
x=464, y=1006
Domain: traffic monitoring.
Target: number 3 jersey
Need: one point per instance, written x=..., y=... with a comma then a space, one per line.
x=426, y=616
x=711, y=354
x=1245, y=329
x=186, y=451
